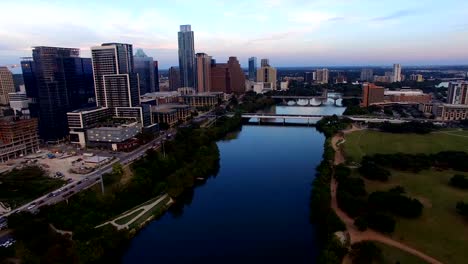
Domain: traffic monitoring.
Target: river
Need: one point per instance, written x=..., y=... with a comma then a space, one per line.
x=255, y=210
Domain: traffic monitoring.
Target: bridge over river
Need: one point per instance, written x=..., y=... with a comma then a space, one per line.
x=311, y=119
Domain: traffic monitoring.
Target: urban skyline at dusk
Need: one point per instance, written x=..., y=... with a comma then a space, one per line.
x=290, y=33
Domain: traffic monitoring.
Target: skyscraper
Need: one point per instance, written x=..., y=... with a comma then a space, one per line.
x=32, y=92
x=267, y=75
x=174, y=79
x=203, y=72
x=156, y=76
x=186, y=56
x=6, y=85
x=264, y=62
x=115, y=82
x=322, y=76
x=144, y=66
x=396, y=73
x=367, y=75
x=64, y=83
x=237, y=76
x=252, y=68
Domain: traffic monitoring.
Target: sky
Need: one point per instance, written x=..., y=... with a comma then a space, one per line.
x=288, y=32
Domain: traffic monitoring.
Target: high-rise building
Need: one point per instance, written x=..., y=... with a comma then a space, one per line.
x=372, y=94
x=252, y=68
x=32, y=92
x=174, y=79
x=203, y=72
x=309, y=77
x=264, y=63
x=115, y=82
x=458, y=93
x=6, y=85
x=396, y=77
x=144, y=66
x=186, y=56
x=322, y=76
x=367, y=75
x=237, y=76
x=267, y=75
x=156, y=76
x=63, y=82
x=220, y=78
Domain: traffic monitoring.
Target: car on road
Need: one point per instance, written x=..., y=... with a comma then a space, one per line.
x=31, y=206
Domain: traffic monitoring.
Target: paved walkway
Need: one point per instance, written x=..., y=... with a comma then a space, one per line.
x=145, y=208
x=368, y=235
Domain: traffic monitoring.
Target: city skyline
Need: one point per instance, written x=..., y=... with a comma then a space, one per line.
x=335, y=33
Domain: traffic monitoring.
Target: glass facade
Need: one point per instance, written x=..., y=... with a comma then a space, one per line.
x=144, y=66
x=63, y=82
x=252, y=68
x=186, y=56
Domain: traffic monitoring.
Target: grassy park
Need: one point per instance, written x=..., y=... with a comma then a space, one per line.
x=440, y=231
x=367, y=142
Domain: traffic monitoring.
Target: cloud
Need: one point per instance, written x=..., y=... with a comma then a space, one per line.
x=395, y=15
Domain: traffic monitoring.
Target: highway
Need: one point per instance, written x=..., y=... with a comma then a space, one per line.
x=90, y=179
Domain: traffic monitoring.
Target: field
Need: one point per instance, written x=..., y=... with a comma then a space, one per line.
x=440, y=232
x=364, y=142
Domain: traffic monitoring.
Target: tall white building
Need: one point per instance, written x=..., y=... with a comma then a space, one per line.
x=322, y=76
x=115, y=82
x=396, y=73
x=458, y=93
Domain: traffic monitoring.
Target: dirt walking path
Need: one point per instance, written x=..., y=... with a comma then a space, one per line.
x=368, y=235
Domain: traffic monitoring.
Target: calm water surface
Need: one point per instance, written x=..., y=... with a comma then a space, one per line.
x=255, y=210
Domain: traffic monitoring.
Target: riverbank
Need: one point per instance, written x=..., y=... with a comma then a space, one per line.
x=355, y=234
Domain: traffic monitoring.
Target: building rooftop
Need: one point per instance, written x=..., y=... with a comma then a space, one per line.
x=404, y=92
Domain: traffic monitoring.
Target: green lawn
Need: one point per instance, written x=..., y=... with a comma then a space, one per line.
x=393, y=255
x=440, y=231
x=156, y=211
x=364, y=142
x=126, y=219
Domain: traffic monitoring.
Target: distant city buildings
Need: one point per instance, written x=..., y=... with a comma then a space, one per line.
x=156, y=76
x=237, y=76
x=267, y=75
x=144, y=67
x=203, y=66
x=367, y=75
x=309, y=77
x=186, y=56
x=372, y=94
x=407, y=96
x=457, y=93
x=220, y=78
x=322, y=76
x=264, y=63
x=6, y=85
x=396, y=74
x=252, y=68
x=174, y=79
x=416, y=77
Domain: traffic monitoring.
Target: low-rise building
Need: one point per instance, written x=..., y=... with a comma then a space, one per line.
x=372, y=94
x=203, y=99
x=284, y=86
x=164, y=113
x=407, y=96
x=450, y=112
x=160, y=98
x=17, y=137
x=111, y=135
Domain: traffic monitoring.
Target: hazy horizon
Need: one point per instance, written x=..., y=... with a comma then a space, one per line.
x=291, y=33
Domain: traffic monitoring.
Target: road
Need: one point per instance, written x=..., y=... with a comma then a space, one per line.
x=90, y=179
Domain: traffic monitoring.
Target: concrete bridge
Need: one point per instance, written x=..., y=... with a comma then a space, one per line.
x=263, y=118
